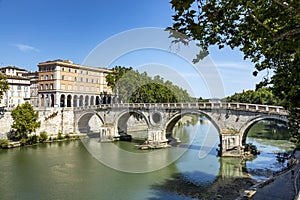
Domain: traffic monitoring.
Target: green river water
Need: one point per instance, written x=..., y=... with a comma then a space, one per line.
x=88, y=169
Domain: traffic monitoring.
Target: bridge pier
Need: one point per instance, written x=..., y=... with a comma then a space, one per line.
x=106, y=133
x=156, y=136
x=231, y=145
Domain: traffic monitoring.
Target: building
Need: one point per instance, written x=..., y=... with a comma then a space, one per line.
x=19, y=87
x=34, y=78
x=65, y=84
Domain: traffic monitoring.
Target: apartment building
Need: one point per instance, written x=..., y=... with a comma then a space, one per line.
x=19, y=87
x=34, y=78
x=62, y=83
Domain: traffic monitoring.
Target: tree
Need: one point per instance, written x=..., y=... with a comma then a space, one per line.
x=3, y=85
x=25, y=120
x=266, y=31
x=259, y=96
x=133, y=86
x=118, y=73
x=153, y=93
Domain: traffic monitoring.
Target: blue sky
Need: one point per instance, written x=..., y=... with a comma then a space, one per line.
x=34, y=31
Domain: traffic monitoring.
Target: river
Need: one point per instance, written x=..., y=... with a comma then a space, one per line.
x=90, y=170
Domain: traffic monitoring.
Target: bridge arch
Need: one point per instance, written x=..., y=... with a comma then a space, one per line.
x=245, y=129
x=83, y=121
x=172, y=122
x=122, y=119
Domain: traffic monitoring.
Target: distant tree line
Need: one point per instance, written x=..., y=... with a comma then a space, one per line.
x=134, y=87
x=259, y=96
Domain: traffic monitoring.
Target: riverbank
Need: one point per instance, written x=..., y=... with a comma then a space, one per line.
x=35, y=140
x=282, y=186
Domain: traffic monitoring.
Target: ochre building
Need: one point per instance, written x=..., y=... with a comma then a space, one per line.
x=65, y=84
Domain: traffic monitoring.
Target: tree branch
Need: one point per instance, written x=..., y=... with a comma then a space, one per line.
x=262, y=24
x=287, y=6
x=288, y=34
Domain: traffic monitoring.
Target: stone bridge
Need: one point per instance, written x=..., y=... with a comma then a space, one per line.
x=232, y=120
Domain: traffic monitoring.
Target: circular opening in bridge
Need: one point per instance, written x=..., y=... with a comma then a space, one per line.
x=156, y=117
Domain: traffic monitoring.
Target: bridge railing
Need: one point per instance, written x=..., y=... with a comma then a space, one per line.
x=202, y=105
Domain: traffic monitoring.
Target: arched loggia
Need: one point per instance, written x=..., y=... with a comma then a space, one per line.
x=245, y=129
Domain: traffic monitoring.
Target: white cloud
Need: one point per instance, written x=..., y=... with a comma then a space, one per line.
x=235, y=65
x=26, y=48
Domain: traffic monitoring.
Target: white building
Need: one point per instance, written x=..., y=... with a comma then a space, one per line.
x=19, y=87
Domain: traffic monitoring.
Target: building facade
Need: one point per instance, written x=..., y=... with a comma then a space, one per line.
x=19, y=87
x=34, y=79
x=61, y=83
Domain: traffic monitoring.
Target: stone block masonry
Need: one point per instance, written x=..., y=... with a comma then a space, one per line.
x=52, y=121
x=6, y=121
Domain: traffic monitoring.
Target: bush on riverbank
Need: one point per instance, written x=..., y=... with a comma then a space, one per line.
x=43, y=136
x=4, y=143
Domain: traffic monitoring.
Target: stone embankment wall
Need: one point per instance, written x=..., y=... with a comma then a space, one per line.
x=6, y=122
x=52, y=121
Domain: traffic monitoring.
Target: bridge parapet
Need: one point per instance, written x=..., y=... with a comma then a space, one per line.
x=203, y=105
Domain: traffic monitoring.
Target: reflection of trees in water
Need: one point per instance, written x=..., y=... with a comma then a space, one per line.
x=229, y=184
x=221, y=188
x=270, y=129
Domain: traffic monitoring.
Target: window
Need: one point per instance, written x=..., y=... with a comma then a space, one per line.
x=63, y=77
x=97, y=80
x=19, y=94
x=92, y=80
x=81, y=79
x=63, y=86
x=69, y=87
x=51, y=86
x=42, y=77
x=81, y=72
x=75, y=88
x=25, y=94
x=19, y=101
x=70, y=70
x=25, y=88
x=42, y=86
x=63, y=69
x=75, y=70
x=12, y=94
x=87, y=80
x=46, y=86
x=51, y=76
x=46, y=77
x=81, y=88
x=87, y=72
x=12, y=101
x=19, y=87
x=12, y=87
x=70, y=78
x=75, y=78
x=93, y=89
x=86, y=88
